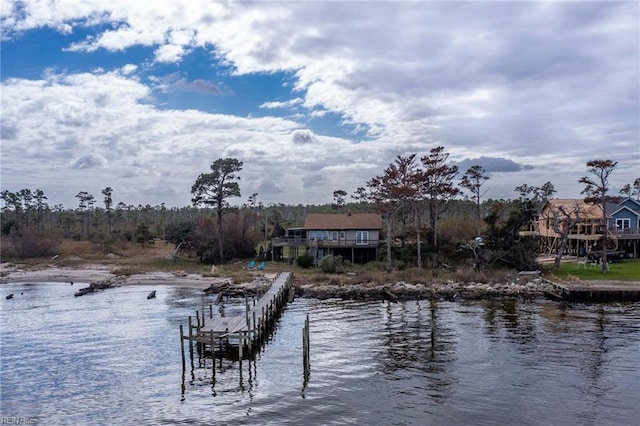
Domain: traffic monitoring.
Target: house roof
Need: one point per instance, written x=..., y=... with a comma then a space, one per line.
x=587, y=211
x=637, y=213
x=342, y=221
x=629, y=200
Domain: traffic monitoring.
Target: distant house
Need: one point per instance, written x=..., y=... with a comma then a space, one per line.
x=354, y=236
x=622, y=225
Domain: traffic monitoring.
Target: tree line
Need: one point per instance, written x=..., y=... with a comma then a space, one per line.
x=433, y=215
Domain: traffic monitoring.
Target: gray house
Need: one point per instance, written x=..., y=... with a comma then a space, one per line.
x=624, y=223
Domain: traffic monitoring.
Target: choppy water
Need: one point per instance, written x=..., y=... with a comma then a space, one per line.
x=114, y=358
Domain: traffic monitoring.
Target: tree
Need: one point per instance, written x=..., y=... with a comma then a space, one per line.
x=631, y=191
x=108, y=203
x=391, y=191
x=596, y=192
x=215, y=188
x=27, y=198
x=85, y=200
x=360, y=195
x=472, y=180
x=338, y=199
x=437, y=185
x=41, y=205
x=13, y=204
x=143, y=235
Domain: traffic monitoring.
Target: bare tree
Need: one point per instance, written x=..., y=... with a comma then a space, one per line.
x=563, y=218
x=391, y=191
x=215, y=188
x=596, y=192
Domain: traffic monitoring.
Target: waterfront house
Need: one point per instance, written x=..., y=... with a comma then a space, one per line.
x=622, y=226
x=624, y=223
x=354, y=236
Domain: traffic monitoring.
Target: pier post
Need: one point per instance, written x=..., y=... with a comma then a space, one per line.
x=203, y=311
x=191, y=342
x=254, y=327
x=305, y=349
x=263, y=324
x=182, y=350
x=248, y=321
x=213, y=355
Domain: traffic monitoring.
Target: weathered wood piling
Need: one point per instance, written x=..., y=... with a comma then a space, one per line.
x=306, y=360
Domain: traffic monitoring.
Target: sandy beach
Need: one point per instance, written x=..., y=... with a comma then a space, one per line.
x=97, y=273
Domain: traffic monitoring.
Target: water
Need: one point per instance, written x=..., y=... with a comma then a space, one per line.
x=114, y=358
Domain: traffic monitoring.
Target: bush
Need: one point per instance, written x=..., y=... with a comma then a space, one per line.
x=331, y=264
x=305, y=261
x=28, y=245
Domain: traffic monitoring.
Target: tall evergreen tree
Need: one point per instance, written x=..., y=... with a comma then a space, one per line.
x=215, y=188
x=472, y=180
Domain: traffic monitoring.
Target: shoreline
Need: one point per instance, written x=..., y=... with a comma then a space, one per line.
x=524, y=288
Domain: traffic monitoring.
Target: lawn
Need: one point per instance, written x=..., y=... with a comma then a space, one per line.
x=626, y=270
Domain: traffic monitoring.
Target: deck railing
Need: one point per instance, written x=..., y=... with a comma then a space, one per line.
x=299, y=241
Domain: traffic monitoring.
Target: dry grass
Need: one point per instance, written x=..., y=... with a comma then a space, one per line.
x=129, y=258
x=365, y=275
x=123, y=257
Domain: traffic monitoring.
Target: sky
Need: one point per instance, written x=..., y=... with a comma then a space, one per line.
x=312, y=96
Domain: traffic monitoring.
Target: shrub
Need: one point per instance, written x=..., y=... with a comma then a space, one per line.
x=305, y=261
x=28, y=245
x=331, y=264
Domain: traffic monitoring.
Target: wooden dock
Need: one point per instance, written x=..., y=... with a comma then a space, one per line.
x=240, y=334
x=593, y=292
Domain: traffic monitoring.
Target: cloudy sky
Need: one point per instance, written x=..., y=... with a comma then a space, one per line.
x=312, y=96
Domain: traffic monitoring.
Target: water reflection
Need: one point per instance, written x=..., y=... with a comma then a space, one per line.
x=115, y=355
x=418, y=343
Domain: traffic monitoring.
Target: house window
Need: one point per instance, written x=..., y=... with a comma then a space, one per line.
x=334, y=236
x=623, y=223
x=343, y=235
x=318, y=235
x=362, y=237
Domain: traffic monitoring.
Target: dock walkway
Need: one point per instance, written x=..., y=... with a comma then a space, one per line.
x=239, y=332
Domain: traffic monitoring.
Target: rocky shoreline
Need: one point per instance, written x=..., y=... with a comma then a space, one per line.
x=529, y=290
x=98, y=277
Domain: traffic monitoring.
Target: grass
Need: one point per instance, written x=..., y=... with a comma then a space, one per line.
x=626, y=270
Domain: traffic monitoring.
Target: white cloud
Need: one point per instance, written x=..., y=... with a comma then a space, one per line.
x=550, y=84
x=284, y=104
